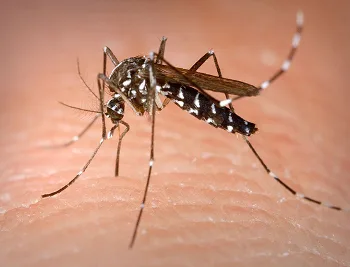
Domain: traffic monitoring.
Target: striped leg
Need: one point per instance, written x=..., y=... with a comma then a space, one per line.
x=104, y=137
x=152, y=94
x=286, y=64
x=78, y=136
x=283, y=69
x=110, y=134
x=291, y=190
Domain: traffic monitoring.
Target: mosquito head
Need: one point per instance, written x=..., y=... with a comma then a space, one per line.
x=115, y=109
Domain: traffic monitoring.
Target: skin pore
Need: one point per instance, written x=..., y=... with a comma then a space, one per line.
x=210, y=201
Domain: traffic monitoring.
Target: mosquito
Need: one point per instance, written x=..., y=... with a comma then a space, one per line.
x=139, y=82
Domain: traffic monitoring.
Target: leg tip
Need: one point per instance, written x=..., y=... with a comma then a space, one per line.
x=300, y=18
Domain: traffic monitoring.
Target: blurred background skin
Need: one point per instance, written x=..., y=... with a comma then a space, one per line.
x=210, y=202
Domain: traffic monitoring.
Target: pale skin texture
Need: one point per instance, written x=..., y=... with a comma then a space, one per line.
x=210, y=202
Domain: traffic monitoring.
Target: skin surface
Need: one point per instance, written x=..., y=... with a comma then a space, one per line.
x=210, y=202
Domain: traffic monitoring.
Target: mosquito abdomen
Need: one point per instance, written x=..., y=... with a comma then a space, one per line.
x=203, y=108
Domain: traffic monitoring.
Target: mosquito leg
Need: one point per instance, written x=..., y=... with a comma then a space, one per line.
x=295, y=43
x=161, y=51
x=264, y=85
x=108, y=52
x=287, y=62
x=104, y=135
x=78, y=136
x=119, y=146
x=291, y=190
x=82, y=170
x=101, y=90
x=159, y=60
x=152, y=92
x=201, y=61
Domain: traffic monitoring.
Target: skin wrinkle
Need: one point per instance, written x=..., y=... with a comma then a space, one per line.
x=221, y=209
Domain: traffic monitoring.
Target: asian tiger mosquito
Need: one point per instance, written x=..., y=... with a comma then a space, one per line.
x=140, y=81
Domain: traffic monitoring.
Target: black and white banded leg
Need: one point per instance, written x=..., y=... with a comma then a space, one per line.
x=291, y=190
x=103, y=138
x=110, y=134
x=152, y=110
x=77, y=137
x=264, y=85
x=285, y=65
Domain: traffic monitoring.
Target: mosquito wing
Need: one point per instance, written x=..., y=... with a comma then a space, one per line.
x=205, y=81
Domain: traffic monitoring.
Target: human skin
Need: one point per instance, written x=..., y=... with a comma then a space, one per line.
x=210, y=202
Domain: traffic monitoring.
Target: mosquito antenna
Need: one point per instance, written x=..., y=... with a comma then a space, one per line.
x=83, y=80
x=77, y=108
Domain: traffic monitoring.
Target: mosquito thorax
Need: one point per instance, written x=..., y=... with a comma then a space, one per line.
x=115, y=109
x=127, y=77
